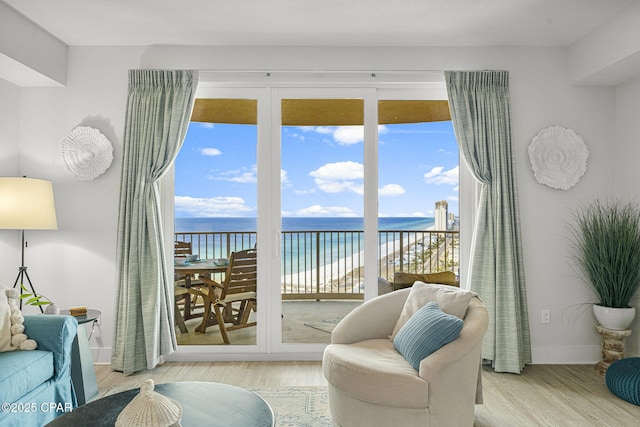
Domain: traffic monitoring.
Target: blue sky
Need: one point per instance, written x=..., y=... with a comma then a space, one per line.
x=322, y=170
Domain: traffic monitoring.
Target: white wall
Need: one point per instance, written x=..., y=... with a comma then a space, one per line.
x=76, y=264
x=626, y=170
x=610, y=54
x=28, y=54
x=552, y=282
x=9, y=139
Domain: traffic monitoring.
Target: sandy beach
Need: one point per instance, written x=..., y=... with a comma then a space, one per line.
x=346, y=274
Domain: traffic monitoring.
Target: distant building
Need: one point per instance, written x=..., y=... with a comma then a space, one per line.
x=442, y=215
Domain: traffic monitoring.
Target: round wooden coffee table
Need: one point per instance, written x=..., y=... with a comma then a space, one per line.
x=203, y=404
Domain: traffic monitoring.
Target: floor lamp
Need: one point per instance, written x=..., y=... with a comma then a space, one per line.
x=26, y=204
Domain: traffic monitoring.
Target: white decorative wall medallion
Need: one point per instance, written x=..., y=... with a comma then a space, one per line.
x=558, y=157
x=86, y=152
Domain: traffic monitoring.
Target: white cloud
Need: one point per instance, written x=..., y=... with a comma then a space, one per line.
x=246, y=175
x=391, y=190
x=324, y=129
x=298, y=136
x=206, y=125
x=211, y=152
x=414, y=214
x=439, y=176
x=211, y=207
x=343, y=135
x=242, y=175
x=339, y=171
x=339, y=177
x=335, y=211
x=348, y=135
x=407, y=215
x=304, y=192
x=340, y=186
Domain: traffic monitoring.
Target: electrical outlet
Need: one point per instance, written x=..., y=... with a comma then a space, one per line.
x=545, y=316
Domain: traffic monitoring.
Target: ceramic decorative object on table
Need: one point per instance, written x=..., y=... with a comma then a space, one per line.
x=52, y=308
x=150, y=409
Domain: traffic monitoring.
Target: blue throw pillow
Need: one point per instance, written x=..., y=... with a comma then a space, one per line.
x=425, y=332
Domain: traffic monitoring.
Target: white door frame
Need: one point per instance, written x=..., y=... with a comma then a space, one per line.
x=269, y=344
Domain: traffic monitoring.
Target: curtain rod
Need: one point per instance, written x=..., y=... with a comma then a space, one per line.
x=305, y=71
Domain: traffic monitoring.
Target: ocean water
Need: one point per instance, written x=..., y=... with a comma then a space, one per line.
x=304, y=240
x=299, y=224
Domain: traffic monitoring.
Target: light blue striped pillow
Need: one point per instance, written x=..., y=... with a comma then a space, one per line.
x=425, y=332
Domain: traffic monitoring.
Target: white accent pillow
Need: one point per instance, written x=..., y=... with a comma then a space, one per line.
x=451, y=299
x=5, y=321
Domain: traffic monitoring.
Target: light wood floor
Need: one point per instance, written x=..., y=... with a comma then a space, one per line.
x=544, y=395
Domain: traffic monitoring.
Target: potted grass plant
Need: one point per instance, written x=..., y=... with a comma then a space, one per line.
x=607, y=243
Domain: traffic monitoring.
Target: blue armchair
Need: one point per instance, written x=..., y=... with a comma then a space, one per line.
x=35, y=386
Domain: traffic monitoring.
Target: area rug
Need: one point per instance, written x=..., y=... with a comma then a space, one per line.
x=323, y=325
x=297, y=406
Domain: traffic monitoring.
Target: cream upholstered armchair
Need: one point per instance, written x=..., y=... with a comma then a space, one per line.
x=372, y=384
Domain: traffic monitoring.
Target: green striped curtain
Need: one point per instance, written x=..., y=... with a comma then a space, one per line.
x=159, y=106
x=481, y=114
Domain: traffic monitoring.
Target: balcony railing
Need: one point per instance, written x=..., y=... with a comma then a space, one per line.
x=328, y=264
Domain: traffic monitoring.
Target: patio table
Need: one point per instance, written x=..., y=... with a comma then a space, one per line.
x=205, y=267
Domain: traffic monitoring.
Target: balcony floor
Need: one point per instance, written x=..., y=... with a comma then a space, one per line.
x=302, y=322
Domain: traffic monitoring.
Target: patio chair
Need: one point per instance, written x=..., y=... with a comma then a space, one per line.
x=180, y=295
x=230, y=303
x=403, y=280
x=182, y=249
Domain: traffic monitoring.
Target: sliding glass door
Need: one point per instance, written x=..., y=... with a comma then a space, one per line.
x=418, y=186
x=294, y=174
x=216, y=220
x=322, y=209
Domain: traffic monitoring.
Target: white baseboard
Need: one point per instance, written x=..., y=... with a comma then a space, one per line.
x=565, y=354
x=541, y=355
x=101, y=355
x=184, y=356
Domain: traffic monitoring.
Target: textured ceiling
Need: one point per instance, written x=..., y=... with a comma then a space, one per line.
x=320, y=22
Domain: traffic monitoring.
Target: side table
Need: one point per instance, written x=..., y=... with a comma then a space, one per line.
x=82, y=373
x=612, y=347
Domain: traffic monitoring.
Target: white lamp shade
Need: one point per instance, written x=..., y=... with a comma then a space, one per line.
x=27, y=204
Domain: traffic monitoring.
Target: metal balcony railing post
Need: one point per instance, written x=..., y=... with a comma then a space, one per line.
x=401, y=251
x=317, y=262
